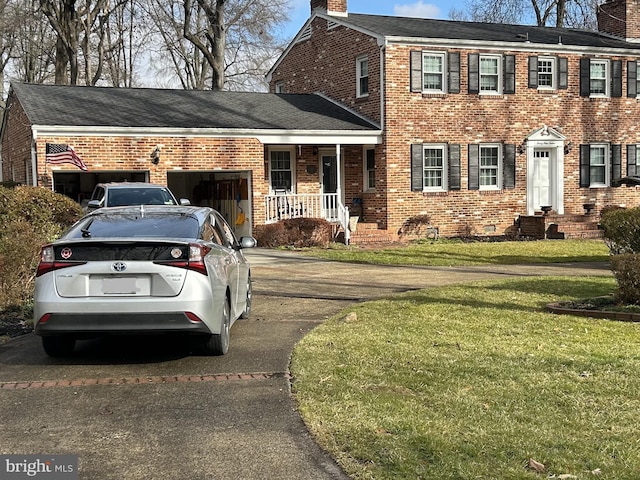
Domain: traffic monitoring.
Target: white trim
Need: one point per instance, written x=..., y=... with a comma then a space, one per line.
x=499, y=167
x=303, y=137
x=443, y=147
x=606, y=165
x=360, y=76
x=534, y=48
x=499, y=74
x=443, y=72
x=554, y=72
x=606, y=79
x=292, y=165
x=365, y=171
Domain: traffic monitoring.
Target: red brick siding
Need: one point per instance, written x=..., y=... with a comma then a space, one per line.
x=133, y=153
x=620, y=18
x=328, y=65
x=16, y=145
x=469, y=118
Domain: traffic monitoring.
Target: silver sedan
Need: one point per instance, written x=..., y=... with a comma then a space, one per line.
x=140, y=270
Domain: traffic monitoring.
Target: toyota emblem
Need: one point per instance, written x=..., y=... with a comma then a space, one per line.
x=119, y=267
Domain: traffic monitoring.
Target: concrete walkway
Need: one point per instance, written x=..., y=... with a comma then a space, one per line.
x=148, y=408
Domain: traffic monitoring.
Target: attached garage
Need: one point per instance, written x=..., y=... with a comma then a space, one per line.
x=221, y=149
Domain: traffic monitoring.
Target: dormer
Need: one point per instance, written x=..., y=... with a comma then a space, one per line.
x=620, y=18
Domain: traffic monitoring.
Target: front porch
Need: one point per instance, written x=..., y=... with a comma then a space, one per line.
x=328, y=206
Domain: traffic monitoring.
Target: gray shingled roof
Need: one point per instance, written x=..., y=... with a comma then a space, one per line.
x=58, y=105
x=485, y=32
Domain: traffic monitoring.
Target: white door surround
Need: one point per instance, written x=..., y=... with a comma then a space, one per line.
x=544, y=150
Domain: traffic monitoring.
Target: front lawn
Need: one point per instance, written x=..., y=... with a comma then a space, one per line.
x=456, y=252
x=475, y=382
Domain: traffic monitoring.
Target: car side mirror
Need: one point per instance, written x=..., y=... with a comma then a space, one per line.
x=93, y=205
x=185, y=201
x=248, y=242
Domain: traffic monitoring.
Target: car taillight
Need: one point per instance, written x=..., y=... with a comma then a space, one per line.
x=195, y=262
x=48, y=261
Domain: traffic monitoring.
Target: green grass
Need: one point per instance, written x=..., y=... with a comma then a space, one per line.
x=470, y=382
x=450, y=252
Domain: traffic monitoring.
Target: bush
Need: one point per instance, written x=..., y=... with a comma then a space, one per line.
x=621, y=229
x=29, y=218
x=626, y=269
x=415, y=227
x=295, y=232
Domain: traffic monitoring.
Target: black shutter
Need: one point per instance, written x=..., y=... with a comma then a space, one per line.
x=454, y=166
x=585, y=166
x=417, y=170
x=616, y=78
x=474, y=166
x=616, y=162
x=509, y=74
x=509, y=166
x=631, y=161
x=632, y=79
x=416, y=70
x=474, y=72
x=563, y=73
x=454, y=72
x=585, y=77
x=533, y=72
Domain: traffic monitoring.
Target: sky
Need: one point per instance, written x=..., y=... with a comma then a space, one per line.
x=420, y=8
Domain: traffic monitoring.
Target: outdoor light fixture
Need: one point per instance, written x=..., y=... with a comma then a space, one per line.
x=155, y=155
x=568, y=147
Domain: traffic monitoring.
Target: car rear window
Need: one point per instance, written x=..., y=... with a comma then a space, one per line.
x=136, y=225
x=139, y=196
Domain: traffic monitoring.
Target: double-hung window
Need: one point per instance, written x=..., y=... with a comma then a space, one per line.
x=433, y=72
x=598, y=165
x=490, y=74
x=362, y=74
x=490, y=167
x=369, y=168
x=546, y=73
x=281, y=172
x=434, y=168
x=599, y=78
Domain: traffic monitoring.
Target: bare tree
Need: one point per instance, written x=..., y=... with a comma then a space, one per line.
x=222, y=43
x=557, y=13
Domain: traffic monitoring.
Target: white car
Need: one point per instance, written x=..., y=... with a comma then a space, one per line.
x=117, y=194
x=139, y=270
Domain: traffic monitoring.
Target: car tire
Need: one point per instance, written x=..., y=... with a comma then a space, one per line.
x=218, y=343
x=58, y=346
x=247, y=307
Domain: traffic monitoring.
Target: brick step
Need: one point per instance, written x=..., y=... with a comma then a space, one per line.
x=571, y=218
x=369, y=237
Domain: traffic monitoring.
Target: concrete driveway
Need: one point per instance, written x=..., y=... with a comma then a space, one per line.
x=144, y=408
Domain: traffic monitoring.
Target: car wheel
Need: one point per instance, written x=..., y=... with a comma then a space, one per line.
x=58, y=346
x=247, y=307
x=218, y=344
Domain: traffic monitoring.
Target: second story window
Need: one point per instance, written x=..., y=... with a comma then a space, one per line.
x=362, y=73
x=546, y=73
x=279, y=87
x=433, y=72
x=598, y=78
x=489, y=74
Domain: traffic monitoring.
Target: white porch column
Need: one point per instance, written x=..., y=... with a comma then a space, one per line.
x=338, y=173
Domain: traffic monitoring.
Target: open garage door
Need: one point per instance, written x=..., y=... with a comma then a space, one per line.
x=228, y=192
x=79, y=185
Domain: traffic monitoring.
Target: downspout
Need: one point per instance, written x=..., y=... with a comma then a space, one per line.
x=34, y=171
x=382, y=85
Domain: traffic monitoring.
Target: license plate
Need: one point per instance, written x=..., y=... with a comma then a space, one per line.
x=125, y=286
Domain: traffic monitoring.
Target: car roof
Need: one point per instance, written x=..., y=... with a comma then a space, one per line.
x=192, y=210
x=131, y=185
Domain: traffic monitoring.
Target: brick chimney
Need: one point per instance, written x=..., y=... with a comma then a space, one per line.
x=620, y=18
x=331, y=7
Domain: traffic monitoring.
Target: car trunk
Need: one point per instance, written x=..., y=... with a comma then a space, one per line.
x=121, y=269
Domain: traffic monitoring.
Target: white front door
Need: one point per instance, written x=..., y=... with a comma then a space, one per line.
x=542, y=181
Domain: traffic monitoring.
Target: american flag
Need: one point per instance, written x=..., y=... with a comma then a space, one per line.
x=58, y=153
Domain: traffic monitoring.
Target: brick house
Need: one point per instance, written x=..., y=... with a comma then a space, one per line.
x=484, y=126
x=236, y=152
x=481, y=127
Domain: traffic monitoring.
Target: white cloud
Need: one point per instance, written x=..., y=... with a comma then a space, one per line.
x=417, y=9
